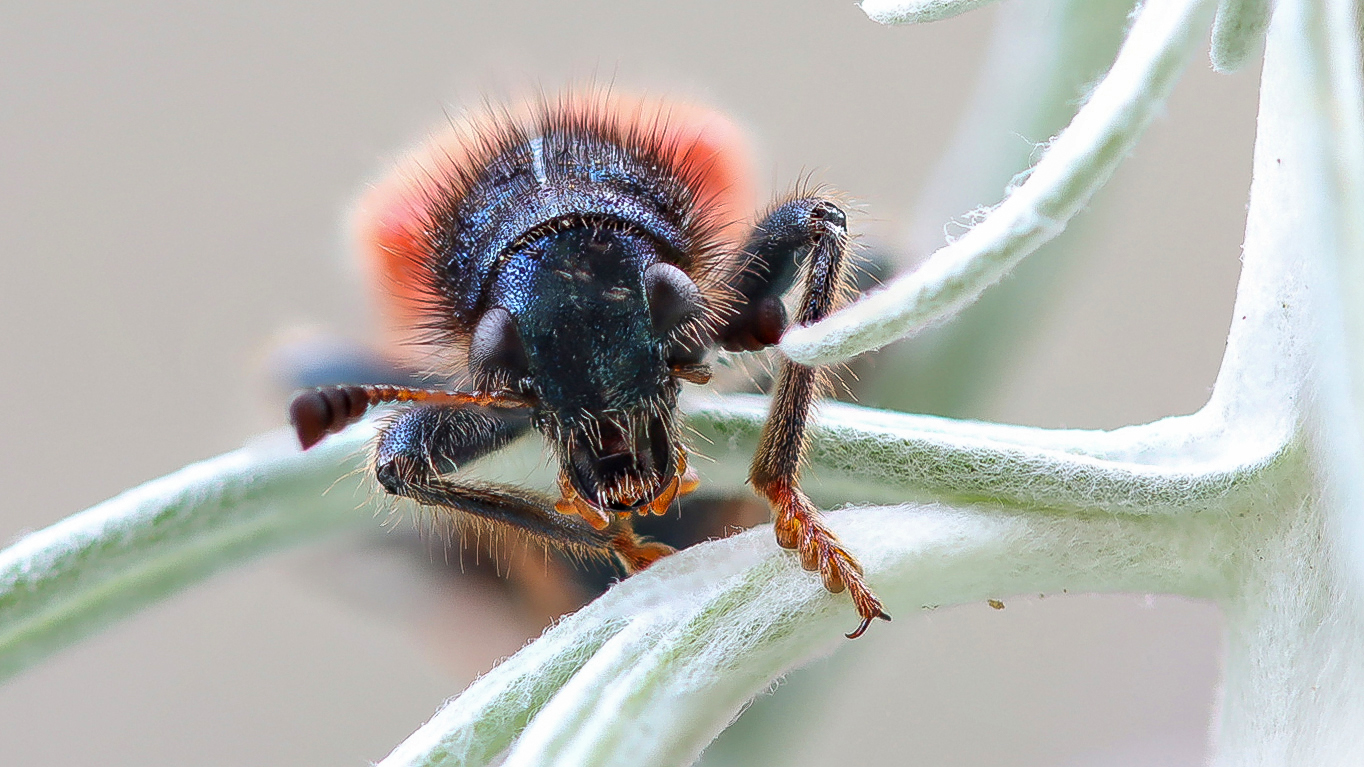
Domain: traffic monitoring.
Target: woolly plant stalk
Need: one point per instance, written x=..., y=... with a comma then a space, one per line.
x=1077, y=163
x=1255, y=501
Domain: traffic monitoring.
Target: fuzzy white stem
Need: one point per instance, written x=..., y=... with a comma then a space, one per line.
x=1237, y=32
x=695, y=636
x=66, y=581
x=1294, y=681
x=860, y=455
x=1339, y=66
x=1080, y=160
x=63, y=582
x=917, y=11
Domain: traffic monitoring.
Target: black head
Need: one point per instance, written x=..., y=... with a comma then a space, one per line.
x=586, y=318
x=564, y=259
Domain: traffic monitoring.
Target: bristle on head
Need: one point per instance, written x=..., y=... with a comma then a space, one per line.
x=396, y=221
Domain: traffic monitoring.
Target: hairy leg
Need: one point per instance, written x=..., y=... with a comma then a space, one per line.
x=814, y=230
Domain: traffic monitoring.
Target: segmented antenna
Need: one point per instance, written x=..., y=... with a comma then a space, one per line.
x=315, y=413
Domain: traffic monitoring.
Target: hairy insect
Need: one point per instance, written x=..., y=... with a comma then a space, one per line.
x=577, y=261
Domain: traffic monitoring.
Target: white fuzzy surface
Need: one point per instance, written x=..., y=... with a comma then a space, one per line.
x=1238, y=32
x=917, y=11
x=1076, y=164
x=63, y=582
x=693, y=639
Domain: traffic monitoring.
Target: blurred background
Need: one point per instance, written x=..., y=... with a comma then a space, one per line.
x=173, y=184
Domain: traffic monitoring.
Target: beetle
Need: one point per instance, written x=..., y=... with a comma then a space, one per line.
x=576, y=260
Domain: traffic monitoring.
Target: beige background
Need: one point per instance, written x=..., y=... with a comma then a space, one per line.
x=172, y=179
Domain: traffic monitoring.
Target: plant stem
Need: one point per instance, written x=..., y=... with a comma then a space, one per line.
x=1078, y=162
x=66, y=581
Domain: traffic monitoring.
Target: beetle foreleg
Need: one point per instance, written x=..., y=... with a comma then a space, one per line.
x=816, y=229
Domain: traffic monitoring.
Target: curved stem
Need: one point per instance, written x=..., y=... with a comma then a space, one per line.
x=1238, y=31
x=479, y=724
x=860, y=455
x=1077, y=164
x=66, y=581
x=1336, y=43
x=917, y=11
x=695, y=635
x=1041, y=59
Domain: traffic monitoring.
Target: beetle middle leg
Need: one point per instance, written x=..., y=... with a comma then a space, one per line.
x=816, y=230
x=419, y=449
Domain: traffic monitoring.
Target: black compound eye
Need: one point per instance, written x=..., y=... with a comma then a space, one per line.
x=496, y=354
x=672, y=296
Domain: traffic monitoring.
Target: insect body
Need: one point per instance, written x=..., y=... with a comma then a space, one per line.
x=581, y=260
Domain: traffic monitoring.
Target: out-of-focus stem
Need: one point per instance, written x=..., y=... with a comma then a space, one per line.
x=1075, y=166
